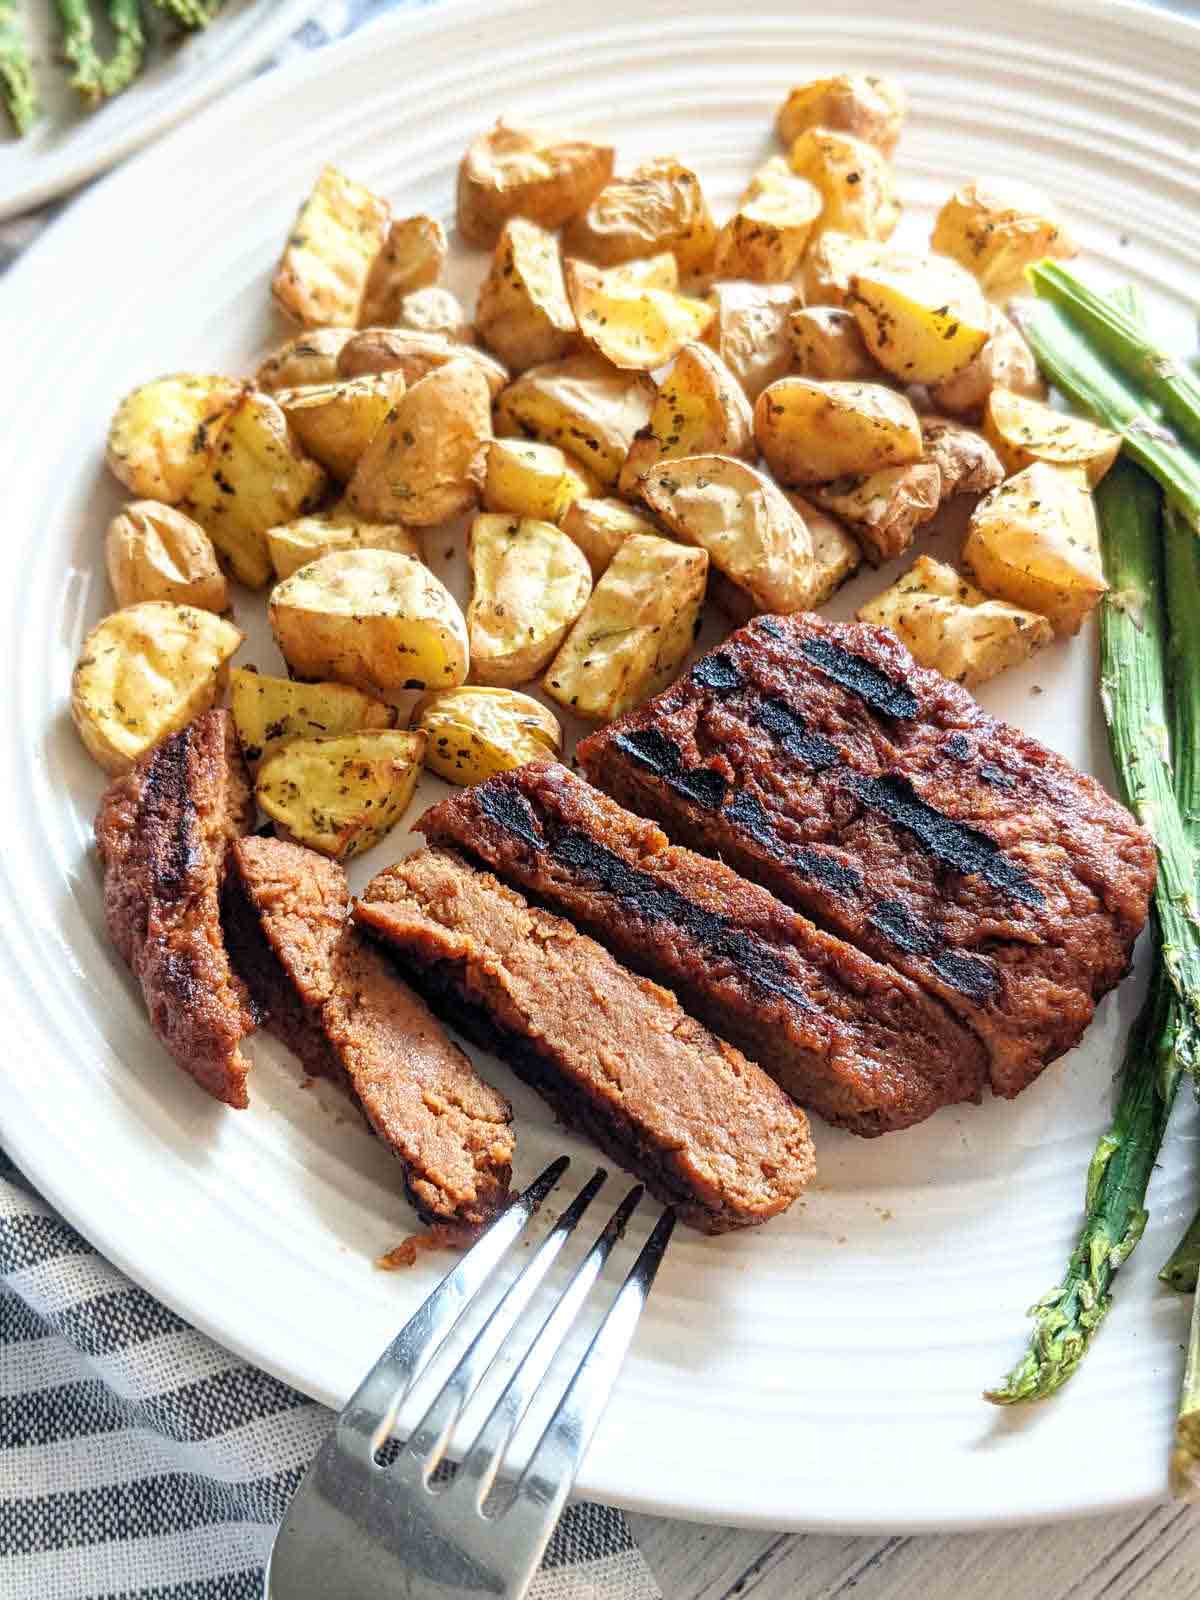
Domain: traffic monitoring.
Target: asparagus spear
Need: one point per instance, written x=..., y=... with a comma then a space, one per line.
x=79, y=48
x=126, y=60
x=191, y=14
x=1182, y=1270
x=16, y=74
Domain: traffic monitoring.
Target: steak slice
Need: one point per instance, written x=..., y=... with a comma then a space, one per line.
x=877, y=797
x=163, y=830
x=337, y=1003
x=841, y=1033
x=615, y=1056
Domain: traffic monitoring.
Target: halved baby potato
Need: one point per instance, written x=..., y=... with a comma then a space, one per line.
x=523, y=312
x=832, y=260
x=870, y=108
x=996, y=227
x=154, y=552
x=767, y=235
x=476, y=733
x=412, y=257
x=309, y=357
x=701, y=409
x=267, y=710
x=293, y=545
x=145, y=672
x=836, y=553
x=414, y=355
x=1022, y=431
x=855, y=182
x=1005, y=362
x=601, y=526
x=812, y=432
x=527, y=172
x=529, y=582
x=827, y=344
x=435, y=310
x=750, y=331
x=340, y=229
x=527, y=479
x=922, y=320
x=635, y=327
x=340, y=793
x=965, y=459
x=371, y=618
x=584, y=405
x=885, y=508
x=660, y=207
x=161, y=434
x=335, y=422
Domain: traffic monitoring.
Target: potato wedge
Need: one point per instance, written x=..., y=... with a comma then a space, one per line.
x=633, y=327
x=1005, y=361
x=327, y=259
x=526, y=479
x=635, y=631
x=836, y=553
x=827, y=345
x=372, y=618
x=660, y=207
x=335, y=422
x=527, y=172
x=435, y=310
x=855, y=183
x=412, y=257
x=258, y=478
x=700, y=410
x=965, y=459
x=648, y=272
x=750, y=331
x=601, y=526
x=529, y=582
x=583, y=405
x=922, y=321
x=950, y=625
x=293, y=545
x=267, y=710
x=1034, y=542
x=310, y=357
x=340, y=793
x=154, y=552
x=475, y=733
x=1022, y=431
x=426, y=461
x=885, y=508
x=753, y=536
x=811, y=432
x=995, y=228
x=870, y=108
x=161, y=435
x=145, y=672
x=768, y=234
x=523, y=313
x=414, y=355
x=832, y=260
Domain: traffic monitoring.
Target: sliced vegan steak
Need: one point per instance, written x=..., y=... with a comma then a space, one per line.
x=163, y=830
x=843, y=1034
x=338, y=1004
x=614, y=1054
x=878, y=798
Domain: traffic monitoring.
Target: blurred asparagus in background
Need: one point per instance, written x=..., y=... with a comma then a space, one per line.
x=16, y=74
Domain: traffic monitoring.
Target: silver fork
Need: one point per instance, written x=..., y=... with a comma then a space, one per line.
x=359, y=1530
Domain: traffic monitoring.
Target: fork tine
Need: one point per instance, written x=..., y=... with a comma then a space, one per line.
x=427, y=1442
x=368, y=1420
x=482, y=1461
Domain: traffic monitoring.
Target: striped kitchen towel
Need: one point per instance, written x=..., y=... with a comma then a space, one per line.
x=139, y=1461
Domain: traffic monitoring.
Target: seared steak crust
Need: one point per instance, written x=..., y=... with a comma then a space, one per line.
x=615, y=1056
x=877, y=797
x=840, y=1032
x=163, y=830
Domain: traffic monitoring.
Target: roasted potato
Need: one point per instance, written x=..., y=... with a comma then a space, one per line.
x=811, y=432
x=635, y=631
x=648, y=272
x=412, y=257
x=854, y=181
x=529, y=582
x=426, y=460
x=339, y=793
x=258, y=477
x=523, y=313
x=583, y=405
x=267, y=710
x=634, y=327
x=950, y=625
x=145, y=672
x=1022, y=431
x=965, y=459
x=371, y=618
x=872, y=109
x=753, y=536
x=923, y=320
x=884, y=508
x=435, y=310
x=293, y=545
x=836, y=552
x=750, y=331
x=600, y=527
x=832, y=260
x=1005, y=361
x=769, y=232
x=996, y=227
x=700, y=410
x=329, y=253
x=154, y=552
x=526, y=479
x=475, y=733
x=827, y=345
x=161, y=435
x=527, y=172
x=310, y=357
x=661, y=207
x=1034, y=542
x=414, y=355
x=335, y=422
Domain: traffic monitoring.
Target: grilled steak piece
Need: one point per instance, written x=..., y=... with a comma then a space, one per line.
x=615, y=1056
x=337, y=1003
x=877, y=797
x=162, y=831
x=843, y=1034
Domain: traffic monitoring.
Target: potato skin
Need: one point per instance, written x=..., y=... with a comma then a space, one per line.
x=700, y=410
x=529, y=582
x=871, y=108
x=154, y=552
x=435, y=310
x=1022, y=431
x=412, y=257
x=836, y=553
x=660, y=207
x=161, y=435
x=767, y=235
x=309, y=357
x=600, y=526
x=827, y=345
x=1005, y=361
x=267, y=710
x=854, y=180
x=750, y=331
x=335, y=422
x=832, y=260
x=585, y=406
x=811, y=432
x=293, y=545
x=340, y=229
x=340, y=793
x=995, y=228
x=965, y=459
x=884, y=508
x=523, y=172
x=523, y=312
x=414, y=355
x=475, y=733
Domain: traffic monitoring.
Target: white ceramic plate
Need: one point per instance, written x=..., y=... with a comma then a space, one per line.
x=70, y=144
x=823, y=1371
